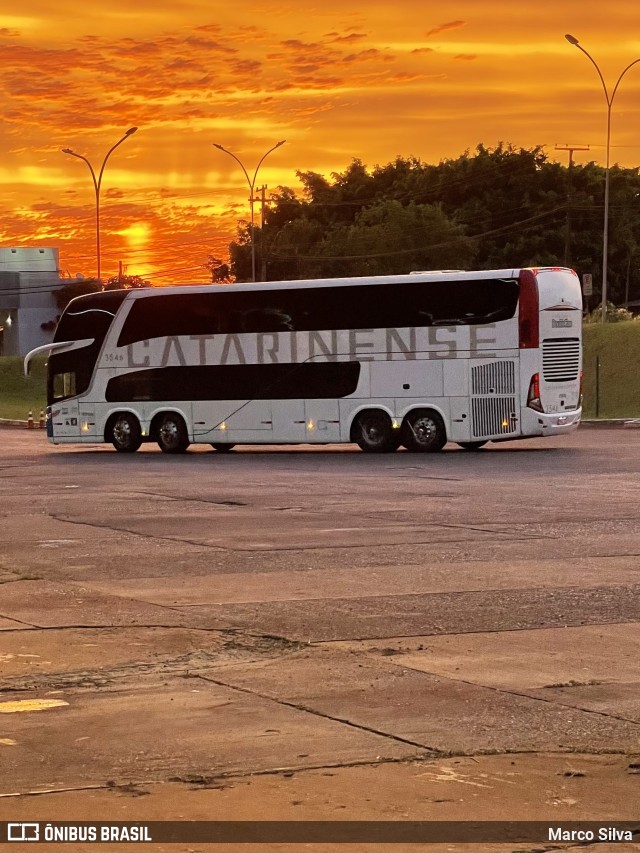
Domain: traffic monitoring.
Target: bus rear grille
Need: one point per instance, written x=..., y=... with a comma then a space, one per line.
x=493, y=416
x=560, y=359
x=496, y=378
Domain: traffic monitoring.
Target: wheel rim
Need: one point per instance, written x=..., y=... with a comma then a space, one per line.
x=424, y=430
x=169, y=434
x=373, y=431
x=122, y=432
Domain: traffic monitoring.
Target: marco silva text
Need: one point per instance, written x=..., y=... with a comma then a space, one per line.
x=603, y=833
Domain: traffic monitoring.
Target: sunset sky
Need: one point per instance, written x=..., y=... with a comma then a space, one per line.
x=336, y=79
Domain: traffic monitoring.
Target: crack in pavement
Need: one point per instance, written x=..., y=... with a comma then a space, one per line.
x=151, y=536
x=506, y=537
x=19, y=622
x=187, y=499
x=298, y=707
x=200, y=781
x=234, y=647
x=521, y=694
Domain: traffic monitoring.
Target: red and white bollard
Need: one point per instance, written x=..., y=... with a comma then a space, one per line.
x=41, y=421
x=30, y=420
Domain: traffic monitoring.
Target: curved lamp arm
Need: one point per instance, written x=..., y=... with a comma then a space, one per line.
x=129, y=133
x=238, y=161
x=277, y=145
x=615, y=88
x=574, y=41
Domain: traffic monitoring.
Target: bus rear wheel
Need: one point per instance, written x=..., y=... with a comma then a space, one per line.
x=373, y=432
x=172, y=434
x=222, y=448
x=471, y=445
x=125, y=433
x=423, y=432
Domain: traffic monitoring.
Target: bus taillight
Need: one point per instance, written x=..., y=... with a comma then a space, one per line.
x=533, y=397
x=529, y=306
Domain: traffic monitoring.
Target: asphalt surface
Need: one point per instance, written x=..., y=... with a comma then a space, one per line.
x=320, y=634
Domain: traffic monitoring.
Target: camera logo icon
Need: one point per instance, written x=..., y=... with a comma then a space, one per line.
x=23, y=832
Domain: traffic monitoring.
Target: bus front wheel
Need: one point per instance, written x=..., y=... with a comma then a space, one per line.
x=423, y=432
x=172, y=434
x=373, y=432
x=125, y=433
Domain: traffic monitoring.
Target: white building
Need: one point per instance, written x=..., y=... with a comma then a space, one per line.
x=28, y=310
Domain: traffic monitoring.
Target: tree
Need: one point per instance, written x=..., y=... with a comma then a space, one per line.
x=63, y=295
x=493, y=208
x=220, y=271
x=125, y=282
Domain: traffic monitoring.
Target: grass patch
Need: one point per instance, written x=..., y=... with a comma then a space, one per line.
x=617, y=344
x=19, y=393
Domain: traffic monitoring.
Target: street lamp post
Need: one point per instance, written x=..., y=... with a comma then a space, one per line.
x=252, y=185
x=97, y=183
x=609, y=99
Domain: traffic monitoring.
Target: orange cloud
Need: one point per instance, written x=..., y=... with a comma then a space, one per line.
x=441, y=28
x=336, y=84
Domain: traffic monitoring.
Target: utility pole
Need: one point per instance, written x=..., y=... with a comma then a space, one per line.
x=567, y=236
x=263, y=262
x=252, y=189
x=262, y=200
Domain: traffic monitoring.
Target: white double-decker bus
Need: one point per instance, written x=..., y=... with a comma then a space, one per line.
x=411, y=360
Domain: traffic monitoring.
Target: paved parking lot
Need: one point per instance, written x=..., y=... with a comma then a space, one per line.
x=320, y=633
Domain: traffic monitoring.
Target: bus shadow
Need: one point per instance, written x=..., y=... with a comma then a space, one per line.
x=148, y=455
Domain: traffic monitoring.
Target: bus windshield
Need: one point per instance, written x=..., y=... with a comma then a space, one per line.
x=88, y=316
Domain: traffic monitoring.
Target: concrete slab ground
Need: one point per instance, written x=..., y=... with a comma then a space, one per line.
x=370, y=617
x=321, y=634
x=547, y=788
x=10, y=624
x=429, y=711
x=545, y=658
x=330, y=583
x=42, y=604
x=79, y=653
x=175, y=729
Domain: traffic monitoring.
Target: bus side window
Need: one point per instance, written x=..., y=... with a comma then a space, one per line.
x=64, y=385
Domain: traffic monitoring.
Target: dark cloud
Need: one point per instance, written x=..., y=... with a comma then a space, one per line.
x=336, y=37
x=450, y=25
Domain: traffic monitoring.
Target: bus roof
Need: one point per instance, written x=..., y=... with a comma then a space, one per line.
x=412, y=278
x=417, y=277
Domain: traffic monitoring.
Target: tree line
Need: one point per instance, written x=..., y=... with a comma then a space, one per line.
x=497, y=208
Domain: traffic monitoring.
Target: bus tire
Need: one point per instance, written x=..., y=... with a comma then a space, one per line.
x=423, y=431
x=124, y=432
x=471, y=445
x=171, y=434
x=373, y=432
x=222, y=448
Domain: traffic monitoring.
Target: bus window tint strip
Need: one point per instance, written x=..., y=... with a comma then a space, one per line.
x=316, y=380
x=399, y=305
